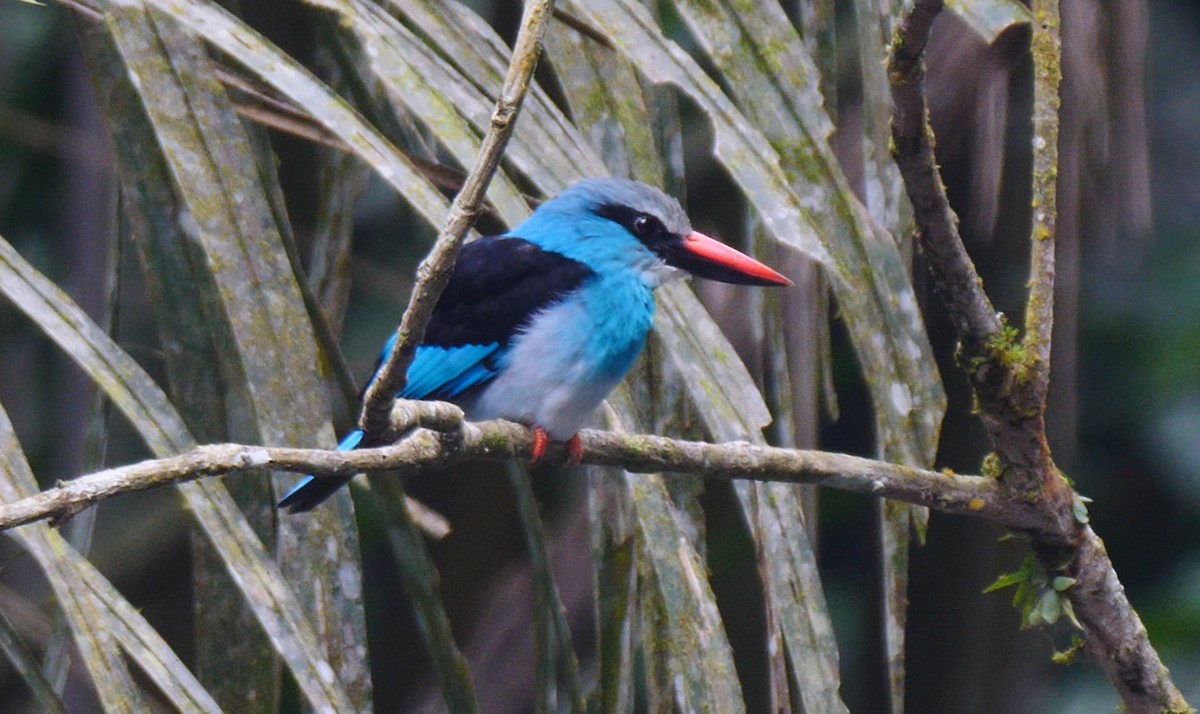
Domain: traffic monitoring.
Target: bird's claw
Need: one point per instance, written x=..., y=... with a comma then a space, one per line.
x=541, y=440
x=575, y=450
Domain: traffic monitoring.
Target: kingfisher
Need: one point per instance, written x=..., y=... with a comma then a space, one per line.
x=539, y=324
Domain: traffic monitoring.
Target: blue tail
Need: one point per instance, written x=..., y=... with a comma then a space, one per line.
x=312, y=491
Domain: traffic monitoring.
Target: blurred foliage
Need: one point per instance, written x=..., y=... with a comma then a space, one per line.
x=1139, y=357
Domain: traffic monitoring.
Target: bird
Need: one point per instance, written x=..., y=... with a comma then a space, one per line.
x=539, y=324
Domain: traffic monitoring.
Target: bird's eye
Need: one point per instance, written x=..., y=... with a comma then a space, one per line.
x=647, y=227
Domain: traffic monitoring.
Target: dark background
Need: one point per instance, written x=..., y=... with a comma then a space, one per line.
x=1125, y=417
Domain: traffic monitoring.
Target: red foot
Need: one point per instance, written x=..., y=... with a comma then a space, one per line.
x=575, y=449
x=541, y=440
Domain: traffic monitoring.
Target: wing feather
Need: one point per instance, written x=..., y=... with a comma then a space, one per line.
x=498, y=285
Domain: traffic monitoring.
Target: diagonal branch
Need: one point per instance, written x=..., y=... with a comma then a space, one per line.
x=1006, y=377
x=1009, y=378
x=953, y=272
x=995, y=363
x=434, y=271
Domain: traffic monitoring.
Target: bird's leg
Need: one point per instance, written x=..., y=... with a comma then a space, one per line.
x=575, y=449
x=541, y=440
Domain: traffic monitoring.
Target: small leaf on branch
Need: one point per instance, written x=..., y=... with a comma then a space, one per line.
x=1026, y=573
x=1079, y=509
x=1049, y=607
x=1062, y=583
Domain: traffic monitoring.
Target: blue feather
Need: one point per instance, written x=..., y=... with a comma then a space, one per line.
x=540, y=324
x=311, y=490
x=445, y=372
x=435, y=373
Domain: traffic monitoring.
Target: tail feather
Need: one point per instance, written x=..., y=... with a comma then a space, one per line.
x=312, y=491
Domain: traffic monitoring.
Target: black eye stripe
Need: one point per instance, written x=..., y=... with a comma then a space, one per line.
x=647, y=228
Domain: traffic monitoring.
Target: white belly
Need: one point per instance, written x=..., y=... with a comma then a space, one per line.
x=557, y=373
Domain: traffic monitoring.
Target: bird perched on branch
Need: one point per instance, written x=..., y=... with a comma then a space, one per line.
x=539, y=324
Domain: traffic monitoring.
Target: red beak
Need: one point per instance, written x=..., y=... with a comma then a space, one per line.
x=707, y=258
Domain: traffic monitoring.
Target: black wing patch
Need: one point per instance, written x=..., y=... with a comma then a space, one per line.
x=497, y=285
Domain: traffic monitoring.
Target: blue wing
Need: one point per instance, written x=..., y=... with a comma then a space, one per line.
x=444, y=373
x=435, y=373
x=498, y=284
x=310, y=491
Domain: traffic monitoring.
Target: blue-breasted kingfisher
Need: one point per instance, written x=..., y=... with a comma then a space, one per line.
x=539, y=324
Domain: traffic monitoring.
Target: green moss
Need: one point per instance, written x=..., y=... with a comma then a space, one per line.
x=1005, y=346
x=633, y=444
x=1067, y=479
x=495, y=441
x=992, y=467
x=1067, y=656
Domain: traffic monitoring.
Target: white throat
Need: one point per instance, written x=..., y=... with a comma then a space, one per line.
x=659, y=272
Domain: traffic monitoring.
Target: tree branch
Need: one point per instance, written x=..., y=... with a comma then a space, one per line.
x=988, y=351
x=1010, y=379
x=434, y=271
x=953, y=272
x=1039, y=312
x=426, y=450
x=1113, y=627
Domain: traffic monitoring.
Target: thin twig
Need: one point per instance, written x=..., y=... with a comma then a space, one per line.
x=434, y=271
x=1039, y=312
x=583, y=27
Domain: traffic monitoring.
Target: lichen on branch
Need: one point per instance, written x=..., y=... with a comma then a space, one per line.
x=1010, y=376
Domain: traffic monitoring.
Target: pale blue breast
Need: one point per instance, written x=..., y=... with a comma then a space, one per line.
x=556, y=373
x=572, y=355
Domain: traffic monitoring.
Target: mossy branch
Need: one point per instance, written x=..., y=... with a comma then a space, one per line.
x=912, y=147
x=1010, y=374
x=1039, y=312
x=427, y=450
